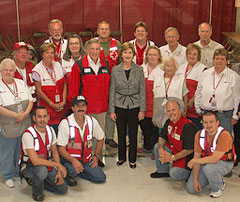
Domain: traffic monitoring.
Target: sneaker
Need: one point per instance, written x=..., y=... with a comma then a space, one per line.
x=153, y=157
x=111, y=143
x=219, y=192
x=159, y=175
x=216, y=194
x=71, y=181
x=10, y=183
x=143, y=150
x=38, y=197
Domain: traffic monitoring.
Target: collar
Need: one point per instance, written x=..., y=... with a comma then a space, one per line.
x=90, y=61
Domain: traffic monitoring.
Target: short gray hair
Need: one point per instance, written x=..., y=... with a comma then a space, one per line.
x=8, y=61
x=168, y=59
x=169, y=29
x=92, y=41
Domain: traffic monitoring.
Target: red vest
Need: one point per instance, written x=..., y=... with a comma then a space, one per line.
x=112, y=55
x=29, y=67
x=174, y=140
x=149, y=97
x=228, y=156
x=42, y=150
x=76, y=147
x=95, y=87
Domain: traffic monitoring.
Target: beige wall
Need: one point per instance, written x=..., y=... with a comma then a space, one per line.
x=237, y=29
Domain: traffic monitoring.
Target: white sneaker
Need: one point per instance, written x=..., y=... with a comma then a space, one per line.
x=216, y=194
x=10, y=183
x=219, y=192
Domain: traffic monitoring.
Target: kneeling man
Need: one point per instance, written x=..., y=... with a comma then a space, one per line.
x=175, y=145
x=213, y=157
x=39, y=160
x=75, y=135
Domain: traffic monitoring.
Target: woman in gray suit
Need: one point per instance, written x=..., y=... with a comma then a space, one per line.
x=127, y=102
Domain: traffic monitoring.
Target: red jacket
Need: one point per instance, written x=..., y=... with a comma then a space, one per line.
x=76, y=147
x=95, y=87
x=29, y=67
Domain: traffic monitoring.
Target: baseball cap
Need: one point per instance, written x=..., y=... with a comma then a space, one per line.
x=79, y=99
x=20, y=45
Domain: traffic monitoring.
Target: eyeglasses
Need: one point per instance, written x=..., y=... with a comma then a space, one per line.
x=56, y=30
x=74, y=44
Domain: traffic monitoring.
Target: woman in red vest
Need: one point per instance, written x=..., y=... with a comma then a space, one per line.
x=50, y=83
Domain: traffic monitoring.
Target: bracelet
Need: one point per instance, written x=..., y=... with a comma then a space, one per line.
x=96, y=155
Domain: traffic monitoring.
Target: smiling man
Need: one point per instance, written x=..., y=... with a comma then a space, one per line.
x=207, y=45
x=213, y=157
x=175, y=145
x=75, y=140
x=55, y=29
x=39, y=161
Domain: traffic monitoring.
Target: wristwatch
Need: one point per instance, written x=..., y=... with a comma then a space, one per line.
x=96, y=156
x=173, y=158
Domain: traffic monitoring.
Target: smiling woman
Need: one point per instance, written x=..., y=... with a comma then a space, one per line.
x=15, y=106
x=127, y=102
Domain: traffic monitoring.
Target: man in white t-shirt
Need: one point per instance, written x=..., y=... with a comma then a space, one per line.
x=39, y=161
x=75, y=140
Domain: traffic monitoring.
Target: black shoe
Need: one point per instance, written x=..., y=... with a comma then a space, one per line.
x=159, y=175
x=29, y=181
x=132, y=165
x=119, y=163
x=236, y=164
x=229, y=174
x=101, y=164
x=111, y=143
x=38, y=197
x=71, y=181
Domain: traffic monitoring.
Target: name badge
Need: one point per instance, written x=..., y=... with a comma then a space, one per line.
x=87, y=70
x=19, y=107
x=214, y=105
x=164, y=102
x=104, y=71
x=90, y=143
x=177, y=137
x=57, y=98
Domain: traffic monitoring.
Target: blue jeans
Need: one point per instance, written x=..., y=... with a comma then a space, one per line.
x=95, y=175
x=176, y=173
x=42, y=178
x=9, y=156
x=225, y=120
x=210, y=174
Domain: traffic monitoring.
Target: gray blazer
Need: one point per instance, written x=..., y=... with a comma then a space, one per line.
x=127, y=94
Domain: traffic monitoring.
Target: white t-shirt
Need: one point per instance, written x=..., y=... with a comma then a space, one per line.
x=28, y=140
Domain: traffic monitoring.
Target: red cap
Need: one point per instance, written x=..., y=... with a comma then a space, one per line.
x=20, y=45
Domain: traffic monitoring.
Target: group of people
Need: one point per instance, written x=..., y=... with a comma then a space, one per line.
x=74, y=96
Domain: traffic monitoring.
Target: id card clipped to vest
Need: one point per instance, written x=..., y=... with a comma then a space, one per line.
x=57, y=98
x=89, y=143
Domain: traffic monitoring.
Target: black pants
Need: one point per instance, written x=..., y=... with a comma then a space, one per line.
x=150, y=133
x=236, y=129
x=127, y=118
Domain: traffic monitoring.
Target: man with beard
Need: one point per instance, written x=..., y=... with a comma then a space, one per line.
x=39, y=160
x=175, y=145
x=213, y=157
x=55, y=28
x=75, y=136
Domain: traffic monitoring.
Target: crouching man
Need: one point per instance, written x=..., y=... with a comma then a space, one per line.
x=75, y=135
x=213, y=157
x=175, y=145
x=39, y=160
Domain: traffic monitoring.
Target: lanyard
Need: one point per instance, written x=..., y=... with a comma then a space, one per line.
x=206, y=145
x=53, y=74
x=77, y=59
x=21, y=74
x=187, y=72
x=15, y=92
x=215, y=87
x=169, y=83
